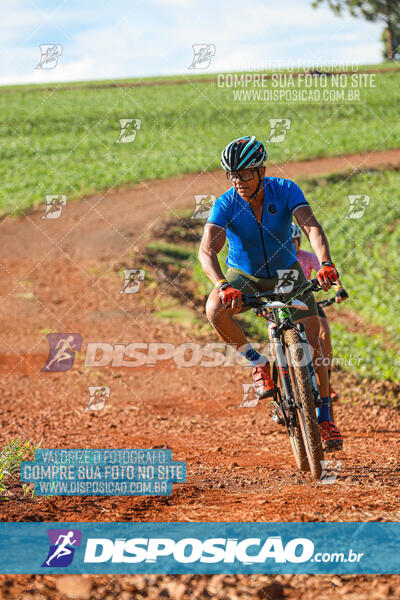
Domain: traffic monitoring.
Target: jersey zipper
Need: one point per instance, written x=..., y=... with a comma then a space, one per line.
x=265, y=254
x=262, y=239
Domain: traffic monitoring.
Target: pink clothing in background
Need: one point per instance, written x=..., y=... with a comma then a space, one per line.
x=308, y=262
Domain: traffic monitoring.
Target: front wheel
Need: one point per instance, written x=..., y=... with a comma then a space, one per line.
x=295, y=435
x=305, y=405
x=299, y=451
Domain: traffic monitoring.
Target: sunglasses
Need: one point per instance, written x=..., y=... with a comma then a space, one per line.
x=243, y=176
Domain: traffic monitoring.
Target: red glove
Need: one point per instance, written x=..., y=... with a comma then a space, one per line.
x=327, y=273
x=227, y=293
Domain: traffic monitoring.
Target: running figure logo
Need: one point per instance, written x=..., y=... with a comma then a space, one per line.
x=50, y=54
x=279, y=129
x=132, y=280
x=203, y=206
x=203, y=54
x=249, y=399
x=128, y=131
x=62, y=351
x=357, y=206
x=287, y=279
x=330, y=470
x=54, y=206
x=97, y=397
x=62, y=547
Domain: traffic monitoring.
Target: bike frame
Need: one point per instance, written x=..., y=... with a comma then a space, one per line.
x=281, y=321
x=286, y=404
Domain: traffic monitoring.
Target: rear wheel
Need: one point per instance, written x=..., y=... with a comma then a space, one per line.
x=305, y=405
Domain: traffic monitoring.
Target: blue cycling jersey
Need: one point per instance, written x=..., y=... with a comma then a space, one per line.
x=260, y=249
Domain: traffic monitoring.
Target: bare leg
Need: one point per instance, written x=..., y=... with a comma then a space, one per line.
x=325, y=338
x=230, y=331
x=223, y=322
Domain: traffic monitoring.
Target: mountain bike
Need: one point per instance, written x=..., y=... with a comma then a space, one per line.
x=297, y=393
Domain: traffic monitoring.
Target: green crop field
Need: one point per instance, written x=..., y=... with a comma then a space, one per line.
x=64, y=141
x=386, y=66
x=366, y=248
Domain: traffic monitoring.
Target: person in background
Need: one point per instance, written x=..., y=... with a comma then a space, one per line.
x=309, y=263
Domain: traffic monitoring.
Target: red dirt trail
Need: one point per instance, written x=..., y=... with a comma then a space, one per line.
x=63, y=276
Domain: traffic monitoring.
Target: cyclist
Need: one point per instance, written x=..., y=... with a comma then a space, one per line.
x=309, y=262
x=255, y=215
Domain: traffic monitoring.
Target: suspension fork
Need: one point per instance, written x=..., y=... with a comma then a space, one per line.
x=281, y=362
x=309, y=363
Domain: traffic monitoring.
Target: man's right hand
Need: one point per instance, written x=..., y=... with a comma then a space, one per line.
x=230, y=297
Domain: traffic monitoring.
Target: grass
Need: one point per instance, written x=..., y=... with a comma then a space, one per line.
x=373, y=359
x=13, y=454
x=363, y=354
x=366, y=250
x=169, y=250
x=180, y=315
x=64, y=141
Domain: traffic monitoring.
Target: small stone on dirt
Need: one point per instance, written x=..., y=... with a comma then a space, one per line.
x=273, y=591
x=74, y=586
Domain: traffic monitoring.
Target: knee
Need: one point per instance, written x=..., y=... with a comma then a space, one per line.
x=315, y=341
x=325, y=337
x=213, y=309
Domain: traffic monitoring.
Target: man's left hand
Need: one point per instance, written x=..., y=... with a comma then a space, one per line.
x=327, y=275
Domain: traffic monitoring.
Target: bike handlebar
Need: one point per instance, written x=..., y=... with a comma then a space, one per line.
x=329, y=301
x=256, y=300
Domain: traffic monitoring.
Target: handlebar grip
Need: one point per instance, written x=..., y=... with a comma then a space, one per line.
x=315, y=287
x=342, y=293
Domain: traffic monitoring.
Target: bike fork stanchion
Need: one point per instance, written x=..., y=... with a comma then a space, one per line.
x=310, y=365
x=281, y=363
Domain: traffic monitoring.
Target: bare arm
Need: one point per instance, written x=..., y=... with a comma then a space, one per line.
x=212, y=242
x=314, y=232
